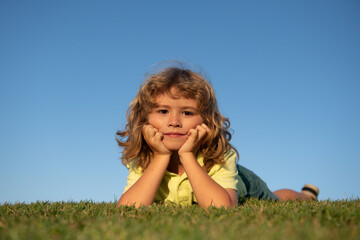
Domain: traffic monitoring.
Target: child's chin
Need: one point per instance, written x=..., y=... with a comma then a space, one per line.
x=173, y=147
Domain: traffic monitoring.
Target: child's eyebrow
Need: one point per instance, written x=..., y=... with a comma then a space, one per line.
x=167, y=106
x=191, y=108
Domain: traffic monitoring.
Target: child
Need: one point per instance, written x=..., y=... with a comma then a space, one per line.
x=176, y=145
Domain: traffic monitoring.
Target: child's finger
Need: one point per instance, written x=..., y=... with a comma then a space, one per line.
x=149, y=130
x=159, y=136
x=193, y=135
x=145, y=131
x=203, y=131
x=206, y=127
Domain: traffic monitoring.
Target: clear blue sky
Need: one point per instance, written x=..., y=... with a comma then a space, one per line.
x=286, y=73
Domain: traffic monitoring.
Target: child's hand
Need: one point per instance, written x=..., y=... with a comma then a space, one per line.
x=195, y=139
x=154, y=139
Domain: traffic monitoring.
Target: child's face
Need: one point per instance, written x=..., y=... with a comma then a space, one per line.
x=174, y=118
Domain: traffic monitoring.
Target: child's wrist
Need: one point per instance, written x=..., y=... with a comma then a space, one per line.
x=162, y=156
x=184, y=156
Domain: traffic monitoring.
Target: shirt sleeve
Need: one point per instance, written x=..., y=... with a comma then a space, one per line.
x=227, y=175
x=134, y=175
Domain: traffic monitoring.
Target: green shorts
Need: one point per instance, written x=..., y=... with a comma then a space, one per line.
x=255, y=186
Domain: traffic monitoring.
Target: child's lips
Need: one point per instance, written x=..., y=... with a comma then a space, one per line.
x=174, y=134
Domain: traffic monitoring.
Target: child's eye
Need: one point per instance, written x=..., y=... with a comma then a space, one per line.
x=187, y=113
x=163, y=111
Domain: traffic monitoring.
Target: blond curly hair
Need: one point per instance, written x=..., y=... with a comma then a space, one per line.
x=189, y=85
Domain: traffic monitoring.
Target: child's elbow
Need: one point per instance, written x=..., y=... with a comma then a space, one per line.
x=125, y=202
x=226, y=203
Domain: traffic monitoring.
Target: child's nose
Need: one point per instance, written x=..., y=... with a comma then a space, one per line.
x=175, y=121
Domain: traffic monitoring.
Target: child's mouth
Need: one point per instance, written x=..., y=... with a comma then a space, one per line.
x=174, y=134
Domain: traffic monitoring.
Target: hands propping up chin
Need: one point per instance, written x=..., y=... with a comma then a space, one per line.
x=195, y=139
x=154, y=138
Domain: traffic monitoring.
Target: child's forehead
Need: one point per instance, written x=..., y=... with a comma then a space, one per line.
x=173, y=93
x=177, y=99
x=168, y=97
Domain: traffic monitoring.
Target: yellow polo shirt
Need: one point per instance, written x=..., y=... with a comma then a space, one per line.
x=177, y=189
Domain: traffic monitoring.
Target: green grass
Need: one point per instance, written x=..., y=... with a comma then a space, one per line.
x=251, y=220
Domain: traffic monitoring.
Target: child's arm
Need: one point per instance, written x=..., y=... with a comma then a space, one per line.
x=206, y=190
x=144, y=190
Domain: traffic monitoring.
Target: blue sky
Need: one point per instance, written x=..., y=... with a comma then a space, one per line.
x=286, y=73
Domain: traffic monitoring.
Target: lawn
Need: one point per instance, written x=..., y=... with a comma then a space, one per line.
x=253, y=219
